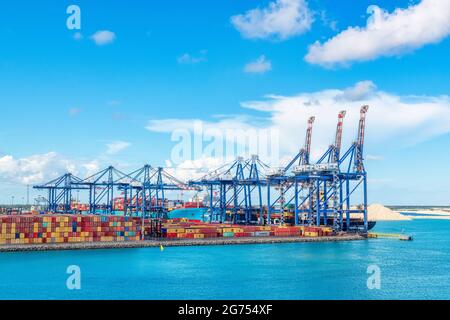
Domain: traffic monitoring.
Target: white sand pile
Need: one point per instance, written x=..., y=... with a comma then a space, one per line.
x=378, y=212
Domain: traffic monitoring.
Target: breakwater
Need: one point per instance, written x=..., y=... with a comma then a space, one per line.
x=173, y=243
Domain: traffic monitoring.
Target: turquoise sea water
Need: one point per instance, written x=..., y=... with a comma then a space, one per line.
x=409, y=270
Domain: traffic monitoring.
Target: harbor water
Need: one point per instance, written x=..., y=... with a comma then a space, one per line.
x=419, y=269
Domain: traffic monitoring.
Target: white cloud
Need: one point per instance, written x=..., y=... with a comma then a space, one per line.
x=34, y=169
x=188, y=58
x=103, y=37
x=195, y=169
x=91, y=168
x=393, y=121
x=359, y=91
x=332, y=24
x=281, y=20
x=261, y=65
x=386, y=34
x=116, y=146
x=42, y=168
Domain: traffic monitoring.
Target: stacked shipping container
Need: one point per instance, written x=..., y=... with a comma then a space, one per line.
x=37, y=229
x=184, y=229
x=67, y=229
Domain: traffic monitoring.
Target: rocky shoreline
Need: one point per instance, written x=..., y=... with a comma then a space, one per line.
x=173, y=243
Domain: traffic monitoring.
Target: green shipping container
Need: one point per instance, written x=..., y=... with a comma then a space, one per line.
x=228, y=234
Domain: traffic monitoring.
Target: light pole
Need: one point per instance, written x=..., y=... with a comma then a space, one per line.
x=28, y=194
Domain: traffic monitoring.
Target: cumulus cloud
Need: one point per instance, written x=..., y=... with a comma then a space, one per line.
x=281, y=20
x=332, y=24
x=42, y=168
x=393, y=120
x=34, y=169
x=103, y=37
x=90, y=168
x=195, y=169
x=260, y=65
x=116, y=146
x=385, y=34
x=358, y=92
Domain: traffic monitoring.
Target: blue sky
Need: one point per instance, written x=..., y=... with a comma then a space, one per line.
x=67, y=99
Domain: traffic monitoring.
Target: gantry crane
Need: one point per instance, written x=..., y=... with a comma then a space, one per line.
x=103, y=187
x=354, y=178
x=150, y=191
x=283, y=181
x=60, y=192
x=321, y=189
x=329, y=184
x=238, y=186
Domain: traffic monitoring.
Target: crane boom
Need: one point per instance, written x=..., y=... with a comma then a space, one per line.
x=307, y=148
x=362, y=126
x=360, y=142
x=338, y=140
x=303, y=156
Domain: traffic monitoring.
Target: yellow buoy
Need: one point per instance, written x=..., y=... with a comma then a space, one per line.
x=162, y=248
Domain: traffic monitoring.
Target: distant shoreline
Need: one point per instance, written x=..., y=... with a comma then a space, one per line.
x=172, y=243
x=379, y=212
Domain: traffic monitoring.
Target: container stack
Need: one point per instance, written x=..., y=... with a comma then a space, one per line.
x=194, y=229
x=288, y=231
x=189, y=232
x=36, y=229
x=318, y=231
x=76, y=206
x=67, y=229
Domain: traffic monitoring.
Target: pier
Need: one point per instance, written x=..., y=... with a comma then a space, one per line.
x=402, y=237
x=165, y=243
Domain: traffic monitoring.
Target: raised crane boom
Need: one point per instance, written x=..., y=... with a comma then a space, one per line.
x=306, y=151
x=302, y=157
x=359, y=166
x=338, y=140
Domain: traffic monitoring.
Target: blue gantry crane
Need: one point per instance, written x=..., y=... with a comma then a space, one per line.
x=103, y=187
x=333, y=180
x=143, y=191
x=322, y=182
x=354, y=178
x=235, y=191
x=320, y=193
x=283, y=180
x=60, y=192
x=152, y=187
